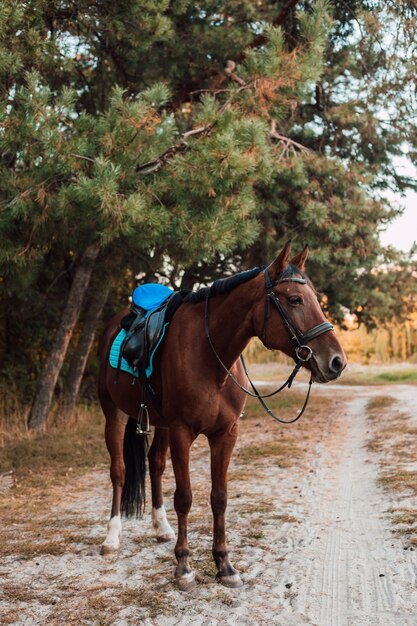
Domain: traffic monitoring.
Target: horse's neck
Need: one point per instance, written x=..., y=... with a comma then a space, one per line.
x=230, y=324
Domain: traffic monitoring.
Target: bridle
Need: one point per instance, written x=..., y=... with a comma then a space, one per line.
x=302, y=351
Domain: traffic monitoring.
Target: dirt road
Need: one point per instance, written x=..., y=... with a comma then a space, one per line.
x=312, y=539
x=355, y=572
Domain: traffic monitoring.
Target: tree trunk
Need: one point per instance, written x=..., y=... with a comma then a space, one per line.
x=49, y=375
x=85, y=341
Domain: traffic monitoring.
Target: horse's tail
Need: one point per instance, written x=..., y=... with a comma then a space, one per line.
x=135, y=448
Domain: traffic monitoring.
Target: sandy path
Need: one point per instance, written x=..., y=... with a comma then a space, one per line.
x=355, y=572
x=313, y=543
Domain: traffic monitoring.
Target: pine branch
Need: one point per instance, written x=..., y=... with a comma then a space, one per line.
x=287, y=145
x=80, y=156
x=155, y=165
x=278, y=21
x=229, y=71
x=218, y=77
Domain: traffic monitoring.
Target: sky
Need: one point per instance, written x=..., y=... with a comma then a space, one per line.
x=402, y=232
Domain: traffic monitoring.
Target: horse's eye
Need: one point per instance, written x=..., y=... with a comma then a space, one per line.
x=295, y=300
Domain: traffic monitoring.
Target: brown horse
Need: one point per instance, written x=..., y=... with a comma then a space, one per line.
x=198, y=395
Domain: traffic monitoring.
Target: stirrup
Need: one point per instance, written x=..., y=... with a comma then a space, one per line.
x=140, y=429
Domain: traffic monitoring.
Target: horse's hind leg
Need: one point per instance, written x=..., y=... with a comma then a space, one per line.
x=221, y=446
x=157, y=460
x=114, y=434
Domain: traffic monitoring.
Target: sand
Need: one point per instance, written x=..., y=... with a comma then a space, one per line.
x=314, y=544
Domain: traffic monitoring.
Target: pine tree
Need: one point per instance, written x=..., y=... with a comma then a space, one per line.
x=183, y=143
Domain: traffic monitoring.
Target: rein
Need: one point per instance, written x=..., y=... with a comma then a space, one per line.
x=303, y=352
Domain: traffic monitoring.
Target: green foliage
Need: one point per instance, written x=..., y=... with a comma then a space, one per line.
x=119, y=126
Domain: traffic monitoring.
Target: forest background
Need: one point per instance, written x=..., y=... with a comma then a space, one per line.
x=183, y=141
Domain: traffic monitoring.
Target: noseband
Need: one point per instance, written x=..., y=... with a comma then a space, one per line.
x=303, y=352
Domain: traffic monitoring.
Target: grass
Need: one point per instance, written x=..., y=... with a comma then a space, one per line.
x=405, y=520
x=28, y=549
x=379, y=403
x=285, y=405
x=70, y=447
x=153, y=602
x=404, y=516
x=287, y=443
x=16, y=593
x=404, y=376
x=256, y=508
x=393, y=377
x=400, y=480
x=286, y=518
x=281, y=453
x=354, y=375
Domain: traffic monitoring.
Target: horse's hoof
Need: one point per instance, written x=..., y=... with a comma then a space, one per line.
x=165, y=538
x=186, y=582
x=233, y=581
x=108, y=551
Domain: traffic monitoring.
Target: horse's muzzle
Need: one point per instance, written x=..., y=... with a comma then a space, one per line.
x=326, y=372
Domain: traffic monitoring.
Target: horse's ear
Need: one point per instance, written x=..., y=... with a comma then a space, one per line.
x=281, y=262
x=300, y=259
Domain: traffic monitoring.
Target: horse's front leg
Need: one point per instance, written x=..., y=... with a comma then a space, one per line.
x=157, y=459
x=221, y=446
x=180, y=440
x=114, y=433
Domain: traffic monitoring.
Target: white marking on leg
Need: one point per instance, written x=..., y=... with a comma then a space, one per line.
x=114, y=530
x=161, y=525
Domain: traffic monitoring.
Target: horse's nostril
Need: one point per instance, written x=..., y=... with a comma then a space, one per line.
x=336, y=364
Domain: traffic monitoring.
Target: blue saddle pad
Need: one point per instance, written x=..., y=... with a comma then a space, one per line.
x=114, y=355
x=151, y=295
x=124, y=365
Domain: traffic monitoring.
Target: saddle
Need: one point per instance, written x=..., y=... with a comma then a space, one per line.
x=145, y=325
x=153, y=307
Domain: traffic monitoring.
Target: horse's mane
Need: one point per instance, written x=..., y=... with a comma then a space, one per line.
x=224, y=285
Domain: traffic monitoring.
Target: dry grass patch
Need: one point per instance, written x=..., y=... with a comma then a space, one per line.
x=27, y=549
x=240, y=475
x=97, y=604
x=256, y=508
x=286, y=518
x=400, y=481
x=72, y=447
x=152, y=602
x=205, y=565
x=16, y=593
x=281, y=453
x=263, y=439
x=379, y=403
x=10, y=617
x=285, y=404
x=404, y=516
x=394, y=441
x=406, y=524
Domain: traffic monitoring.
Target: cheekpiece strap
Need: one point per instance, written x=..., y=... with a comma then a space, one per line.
x=268, y=282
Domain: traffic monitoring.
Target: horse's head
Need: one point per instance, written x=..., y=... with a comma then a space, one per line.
x=288, y=317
